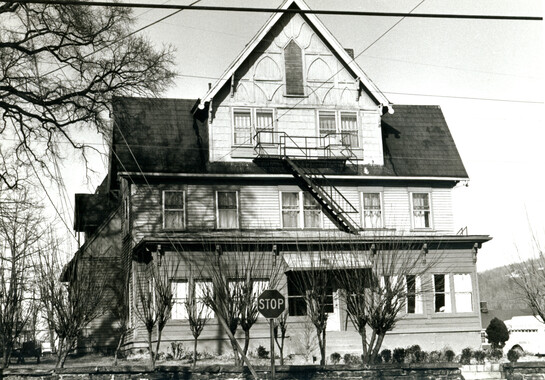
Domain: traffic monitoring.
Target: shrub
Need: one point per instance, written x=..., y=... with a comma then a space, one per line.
x=513, y=355
x=497, y=333
x=398, y=355
x=449, y=355
x=386, y=355
x=351, y=359
x=335, y=358
x=434, y=357
x=466, y=356
x=378, y=359
x=262, y=352
x=494, y=355
x=479, y=356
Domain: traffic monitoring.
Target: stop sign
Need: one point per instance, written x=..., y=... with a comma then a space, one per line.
x=271, y=303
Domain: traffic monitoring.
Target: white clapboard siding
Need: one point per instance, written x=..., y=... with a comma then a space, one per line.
x=443, y=219
x=396, y=208
x=259, y=207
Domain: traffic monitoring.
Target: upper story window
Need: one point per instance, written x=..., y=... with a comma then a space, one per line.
x=248, y=121
x=173, y=209
x=300, y=210
x=372, y=210
x=421, y=210
x=463, y=293
x=227, y=209
x=339, y=128
x=441, y=289
x=293, y=61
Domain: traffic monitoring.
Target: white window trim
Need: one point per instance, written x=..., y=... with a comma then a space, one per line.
x=253, y=118
x=362, y=208
x=448, y=291
x=455, y=292
x=411, y=192
x=301, y=220
x=218, y=210
x=181, y=302
x=418, y=300
x=338, y=114
x=173, y=209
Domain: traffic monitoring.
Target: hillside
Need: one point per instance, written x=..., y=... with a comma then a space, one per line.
x=499, y=290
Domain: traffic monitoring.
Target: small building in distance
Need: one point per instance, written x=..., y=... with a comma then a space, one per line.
x=296, y=158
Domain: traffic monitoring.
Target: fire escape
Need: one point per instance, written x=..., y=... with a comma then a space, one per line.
x=305, y=157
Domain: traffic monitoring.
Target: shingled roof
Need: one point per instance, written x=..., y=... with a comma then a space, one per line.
x=162, y=136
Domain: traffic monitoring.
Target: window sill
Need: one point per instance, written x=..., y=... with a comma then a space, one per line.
x=295, y=96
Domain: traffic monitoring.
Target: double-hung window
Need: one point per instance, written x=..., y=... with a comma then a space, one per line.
x=227, y=209
x=300, y=210
x=372, y=210
x=421, y=210
x=180, y=291
x=173, y=209
x=463, y=293
x=413, y=296
x=441, y=289
x=247, y=122
x=202, y=289
x=339, y=128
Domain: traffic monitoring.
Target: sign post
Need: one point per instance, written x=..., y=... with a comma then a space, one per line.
x=271, y=303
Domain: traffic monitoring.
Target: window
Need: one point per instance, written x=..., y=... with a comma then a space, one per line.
x=247, y=121
x=372, y=210
x=349, y=129
x=202, y=288
x=293, y=60
x=179, y=297
x=414, y=299
x=441, y=287
x=300, y=210
x=173, y=210
x=227, y=209
x=463, y=293
x=242, y=122
x=339, y=129
x=421, y=210
x=300, y=282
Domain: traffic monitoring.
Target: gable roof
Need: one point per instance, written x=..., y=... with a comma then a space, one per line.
x=162, y=136
x=372, y=89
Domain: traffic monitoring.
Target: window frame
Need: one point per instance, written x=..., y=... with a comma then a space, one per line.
x=456, y=292
x=363, y=210
x=416, y=295
x=412, y=211
x=180, y=302
x=301, y=211
x=447, y=292
x=338, y=125
x=237, y=202
x=183, y=210
x=253, y=121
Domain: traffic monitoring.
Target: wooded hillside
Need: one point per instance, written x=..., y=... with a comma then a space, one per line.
x=498, y=289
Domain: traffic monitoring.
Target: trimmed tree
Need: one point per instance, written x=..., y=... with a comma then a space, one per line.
x=497, y=333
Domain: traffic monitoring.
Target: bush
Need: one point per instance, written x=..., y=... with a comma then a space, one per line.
x=466, y=356
x=398, y=355
x=513, y=355
x=386, y=355
x=434, y=357
x=494, y=355
x=378, y=359
x=351, y=359
x=262, y=352
x=479, y=356
x=497, y=333
x=335, y=358
x=449, y=355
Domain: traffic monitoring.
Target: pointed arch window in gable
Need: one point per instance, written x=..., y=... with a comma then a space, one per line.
x=293, y=60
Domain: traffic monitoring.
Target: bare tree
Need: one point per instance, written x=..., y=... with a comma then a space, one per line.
x=21, y=228
x=198, y=313
x=155, y=297
x=60, y=65
x=281, y=328
x=120, y=311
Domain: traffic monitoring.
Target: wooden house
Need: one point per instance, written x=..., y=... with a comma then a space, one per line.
x=293, y=152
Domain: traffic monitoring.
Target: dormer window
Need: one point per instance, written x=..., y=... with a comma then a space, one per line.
x=293, y=59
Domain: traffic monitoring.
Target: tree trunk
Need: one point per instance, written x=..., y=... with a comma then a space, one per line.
x=116, y=353
x=194, y=352
x=158, y=345
x=65, y=345
x=377, y=347
x=246, y=341
x=6, y=355
x=363, y=335
x=281, y=349
x=322, y=348
x=150, y=348
x=366, y=359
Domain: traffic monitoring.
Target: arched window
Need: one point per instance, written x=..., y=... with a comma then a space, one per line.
x=293, y=59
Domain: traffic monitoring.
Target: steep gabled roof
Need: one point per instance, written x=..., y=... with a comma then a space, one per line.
x=161, y=136
x=372, y=89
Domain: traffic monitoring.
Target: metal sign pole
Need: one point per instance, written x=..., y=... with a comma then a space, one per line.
x=271, y=321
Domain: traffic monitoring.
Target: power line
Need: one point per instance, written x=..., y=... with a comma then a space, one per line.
x=277, y=10
x=467, y=97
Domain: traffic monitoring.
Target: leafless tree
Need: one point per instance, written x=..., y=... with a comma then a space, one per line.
x=120, y=311
x=155, y=296
x=21, y=228
x=198, y=313
x=280, y=330
x=71, y=293
x=60, y=65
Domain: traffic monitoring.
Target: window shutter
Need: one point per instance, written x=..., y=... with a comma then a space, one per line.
x=293, y=59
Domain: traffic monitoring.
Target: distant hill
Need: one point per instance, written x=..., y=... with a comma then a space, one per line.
x=498, y=289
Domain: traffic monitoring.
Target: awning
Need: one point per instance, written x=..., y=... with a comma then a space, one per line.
x=321, y=260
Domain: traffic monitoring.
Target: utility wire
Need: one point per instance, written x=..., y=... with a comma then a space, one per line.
x=277, y=10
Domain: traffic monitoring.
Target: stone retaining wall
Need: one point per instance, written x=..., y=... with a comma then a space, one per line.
x=524, y=371
x=447, y=371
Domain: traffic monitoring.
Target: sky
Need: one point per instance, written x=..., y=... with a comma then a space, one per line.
x=487, y=76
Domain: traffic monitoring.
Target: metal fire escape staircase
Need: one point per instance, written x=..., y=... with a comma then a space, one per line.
x=305, y=157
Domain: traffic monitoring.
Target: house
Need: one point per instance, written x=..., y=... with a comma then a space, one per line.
x=296, y=155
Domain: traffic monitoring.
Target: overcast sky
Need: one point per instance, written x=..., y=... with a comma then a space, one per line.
x=421, y=61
